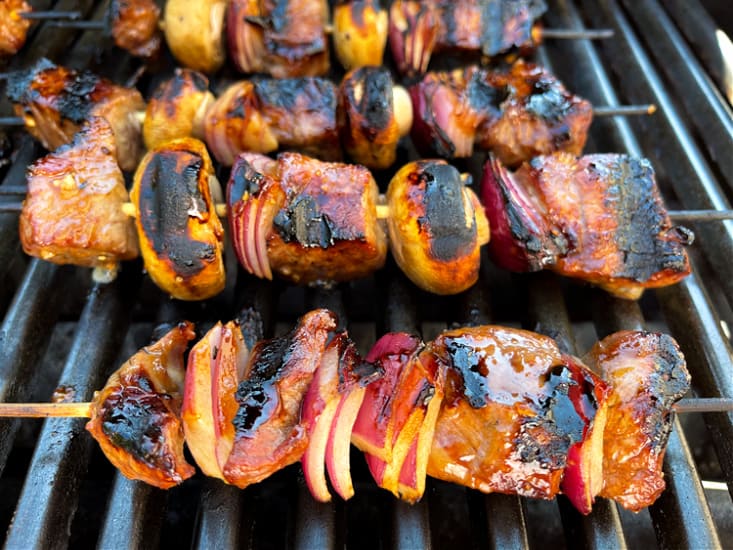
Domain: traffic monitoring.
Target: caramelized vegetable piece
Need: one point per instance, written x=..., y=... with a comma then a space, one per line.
x=13, y=27
x=269, y=431
x=539, y=116
x=177, y=108
x=373, y=115
x=436, y=227
x=72, y=213
x=181, y=237
x=647, y=375
x=448, y=109
x=413, y=33
x=359, y=32
x=329, y=412
x=514, y=408
x=267, y=115
x=396, y=423
x=55, y=102
x=194, y=32
x=283, y=38
x=235, y=124
x=599, y=218
x=215, y=367
x=324, y=227
x=419, y=28
x=135, y=417
x=135, y=26
x=516, y=113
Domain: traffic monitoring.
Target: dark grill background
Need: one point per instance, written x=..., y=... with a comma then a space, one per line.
x=58, y=490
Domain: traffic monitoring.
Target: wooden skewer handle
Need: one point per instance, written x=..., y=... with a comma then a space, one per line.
x=46, y=410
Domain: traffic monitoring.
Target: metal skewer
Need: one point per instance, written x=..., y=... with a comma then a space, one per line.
x=616, y=110
x=625, y=110
x=577, y=34
x=382, y=209
x=50, y=14
x=83, y=410
x=80, y=25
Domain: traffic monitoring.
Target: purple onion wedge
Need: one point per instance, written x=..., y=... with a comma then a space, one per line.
x=522, y=237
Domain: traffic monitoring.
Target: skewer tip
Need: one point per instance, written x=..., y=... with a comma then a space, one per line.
x=577, y=34
x=625, y=110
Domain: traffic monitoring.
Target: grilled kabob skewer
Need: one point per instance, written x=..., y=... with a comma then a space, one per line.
x=132, y=24
x=412, y=408
x=367, y=114
x=309, y=221
x=599, y=218
x=489, y=28
x=517, y=113
x=289, y=38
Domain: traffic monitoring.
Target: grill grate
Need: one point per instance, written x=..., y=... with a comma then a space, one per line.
x=57, y=490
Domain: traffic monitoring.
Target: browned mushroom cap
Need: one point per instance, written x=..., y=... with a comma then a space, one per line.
x=436, y=226
x=194, y=32
x=181, y=237
x=359, y=33
x=177, y=108
x=373, y=114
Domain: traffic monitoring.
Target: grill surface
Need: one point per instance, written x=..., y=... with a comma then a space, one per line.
x=57, y=489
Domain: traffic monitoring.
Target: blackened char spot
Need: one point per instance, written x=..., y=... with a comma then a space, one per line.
x=483, y=97
x=132, y=419
x=640, y=218
x=168, y=196
x=547, y=101
x=376, y=101
x=243, y=179
x=548, y=436
x=507, y=23
x=75, y=102
x=559, y=406
x=668, y=383
x=316, y=94
x=472, y=370
x=19, y=83
x=357, y=11
x=302, y=221
x=250, y=323
x=448, y=19
x=279, y=15
x=255, y=395
x=445, y=212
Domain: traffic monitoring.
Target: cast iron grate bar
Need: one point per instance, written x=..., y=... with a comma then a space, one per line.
x=703, y=104
x=707, y=39
x=60, y=458
x=24, y=336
